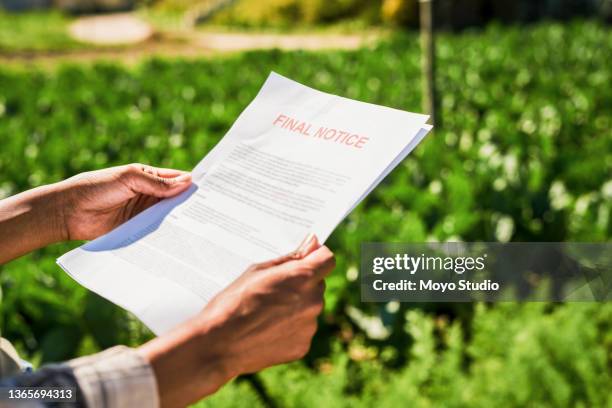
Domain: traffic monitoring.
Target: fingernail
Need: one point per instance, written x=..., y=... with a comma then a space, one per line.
x=308, y=240
x=183, y=178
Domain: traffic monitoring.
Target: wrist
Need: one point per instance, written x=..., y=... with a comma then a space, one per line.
x=50, y=205
x=213, y=358
x=189, y=363
x=62, y=205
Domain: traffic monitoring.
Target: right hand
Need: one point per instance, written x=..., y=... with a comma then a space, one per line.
x=267, y=316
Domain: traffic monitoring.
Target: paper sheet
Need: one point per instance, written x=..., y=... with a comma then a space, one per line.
x=296, y=161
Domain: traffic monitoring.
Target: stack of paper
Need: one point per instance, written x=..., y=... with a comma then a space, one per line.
x=296, y=161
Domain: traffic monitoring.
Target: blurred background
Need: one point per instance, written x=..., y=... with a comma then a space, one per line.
x=522, y=151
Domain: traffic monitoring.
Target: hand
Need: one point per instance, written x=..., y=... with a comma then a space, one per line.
x=82, y=207
x=267, y=316
x=96, y=202
x=270, y=312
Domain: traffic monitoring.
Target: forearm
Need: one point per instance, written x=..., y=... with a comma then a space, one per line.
x=189, y=363
x=31, y=220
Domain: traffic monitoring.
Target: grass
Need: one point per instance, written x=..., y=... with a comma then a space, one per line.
x=35, y=32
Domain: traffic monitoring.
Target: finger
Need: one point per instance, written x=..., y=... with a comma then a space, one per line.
x=318, y=264
x=162, y=172
x=315, y=305
x=318, y=291
x=321, y=286
x=274, y=262
x=309, y=244
x=322, y=261
x=146, y=180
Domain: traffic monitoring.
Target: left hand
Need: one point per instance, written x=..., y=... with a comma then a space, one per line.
x=96, y=202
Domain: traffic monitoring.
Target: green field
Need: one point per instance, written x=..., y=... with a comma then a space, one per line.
x=35, y=31
x=523, y=153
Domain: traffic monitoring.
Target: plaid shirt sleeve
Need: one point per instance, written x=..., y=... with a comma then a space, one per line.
x=116, y=378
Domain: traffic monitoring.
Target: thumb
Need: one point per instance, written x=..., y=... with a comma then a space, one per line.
x=308, y=245
x=157, y=182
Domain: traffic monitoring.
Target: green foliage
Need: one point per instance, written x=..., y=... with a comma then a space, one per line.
x=523, y=153
x=288, y=13
x=34, y=31
x=516, y=355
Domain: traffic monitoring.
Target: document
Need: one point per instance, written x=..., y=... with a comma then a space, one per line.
x=296, y=161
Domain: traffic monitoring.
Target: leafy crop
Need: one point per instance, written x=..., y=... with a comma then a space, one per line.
x=523, y=153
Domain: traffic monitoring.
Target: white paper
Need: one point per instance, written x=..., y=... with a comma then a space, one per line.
x=266, y=185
